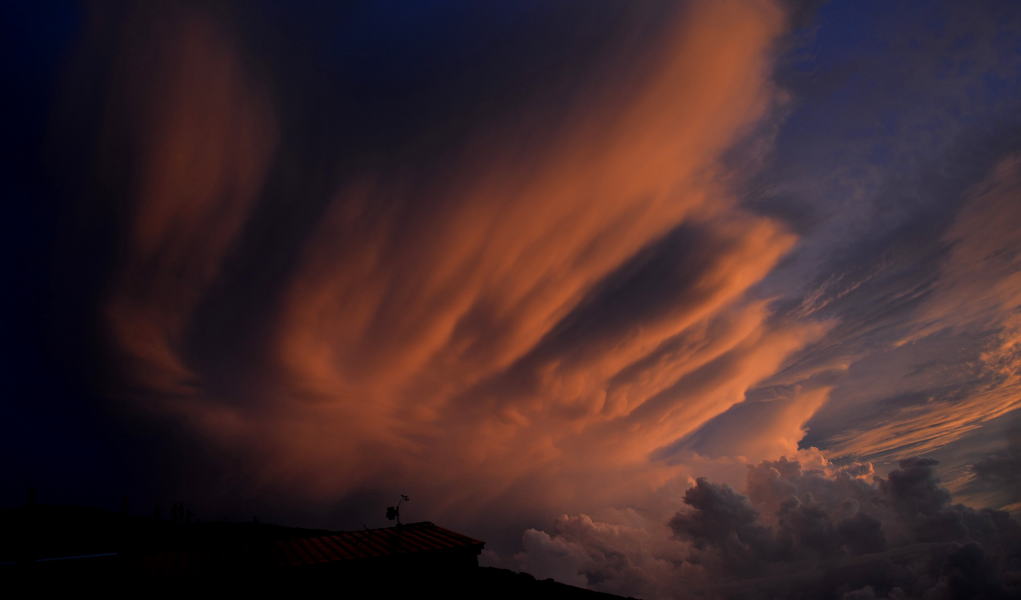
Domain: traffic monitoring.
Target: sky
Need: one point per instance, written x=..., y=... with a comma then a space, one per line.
x=669, y=299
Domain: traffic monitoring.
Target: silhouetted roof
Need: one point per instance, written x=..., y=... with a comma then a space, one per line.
x=402, y=540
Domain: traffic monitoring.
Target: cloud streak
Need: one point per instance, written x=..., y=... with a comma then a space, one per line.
x=972, y=300
x=543, y=312
x=518, y=273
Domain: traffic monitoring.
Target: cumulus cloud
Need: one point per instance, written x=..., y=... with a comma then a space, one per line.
x=822, y=533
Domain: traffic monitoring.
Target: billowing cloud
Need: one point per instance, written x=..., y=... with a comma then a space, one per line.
x=797, y=532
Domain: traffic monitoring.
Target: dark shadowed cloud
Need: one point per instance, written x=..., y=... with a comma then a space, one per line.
x=797, y=533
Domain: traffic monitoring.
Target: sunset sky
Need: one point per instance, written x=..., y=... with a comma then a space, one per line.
x=579, y=277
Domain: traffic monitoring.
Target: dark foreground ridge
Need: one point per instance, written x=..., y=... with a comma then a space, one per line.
x=44, y=545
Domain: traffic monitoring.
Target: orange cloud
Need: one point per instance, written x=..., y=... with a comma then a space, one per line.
x=205, y=133
x=524, y=330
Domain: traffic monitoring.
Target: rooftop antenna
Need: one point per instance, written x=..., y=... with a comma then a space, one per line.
x=393, y=513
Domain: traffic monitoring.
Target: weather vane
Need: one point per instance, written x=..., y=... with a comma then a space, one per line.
x=393, y=513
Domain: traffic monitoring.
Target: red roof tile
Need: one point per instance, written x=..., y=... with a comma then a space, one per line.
x=413, y=538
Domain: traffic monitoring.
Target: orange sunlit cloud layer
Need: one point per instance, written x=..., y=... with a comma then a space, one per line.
x=526, y=328
x=557, y=277
x=662, y=298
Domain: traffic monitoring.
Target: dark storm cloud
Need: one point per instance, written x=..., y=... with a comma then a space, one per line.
x=808, y=533
x=903, y=530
